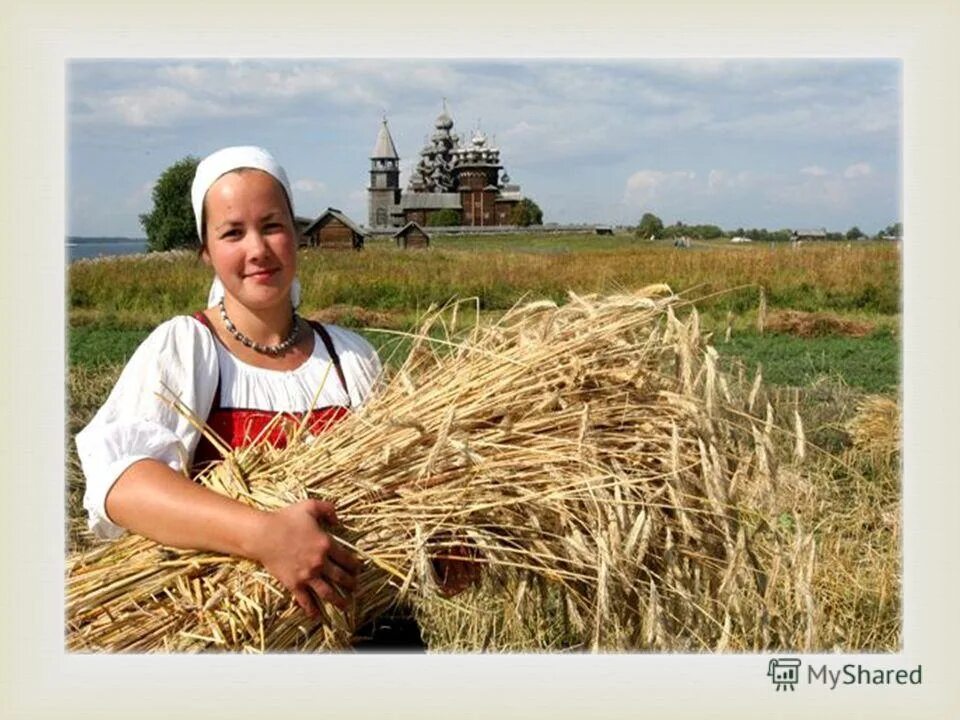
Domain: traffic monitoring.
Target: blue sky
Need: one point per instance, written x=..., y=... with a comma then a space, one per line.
x=751, y=143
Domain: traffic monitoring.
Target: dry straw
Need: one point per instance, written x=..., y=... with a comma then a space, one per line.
x=613, y=488
x=875, y=428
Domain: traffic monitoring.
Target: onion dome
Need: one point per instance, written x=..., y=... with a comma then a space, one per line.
x=444, y=121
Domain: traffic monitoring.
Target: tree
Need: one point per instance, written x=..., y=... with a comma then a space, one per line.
x=526, y=212
x=171, y=224
x=854, y=233
x=650, y=226
x=447, y=217
x=705, y=232
x=895, y=230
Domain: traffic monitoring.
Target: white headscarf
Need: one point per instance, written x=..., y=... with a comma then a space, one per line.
x=211, y=168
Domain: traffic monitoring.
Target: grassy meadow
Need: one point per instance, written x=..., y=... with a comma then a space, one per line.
x=821, y=322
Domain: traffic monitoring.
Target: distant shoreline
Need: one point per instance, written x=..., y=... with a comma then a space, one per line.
x=89, y=248
x=85, y=239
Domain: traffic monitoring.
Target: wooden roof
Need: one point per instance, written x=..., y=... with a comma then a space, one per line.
x=430, y=201
x=335, y=214
x=410, y=226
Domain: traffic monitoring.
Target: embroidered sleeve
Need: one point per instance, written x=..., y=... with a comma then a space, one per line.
x=177, y=360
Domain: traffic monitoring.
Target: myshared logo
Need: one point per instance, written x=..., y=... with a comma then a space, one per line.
x=856, y=674
x=787, y=673
x=784, y=672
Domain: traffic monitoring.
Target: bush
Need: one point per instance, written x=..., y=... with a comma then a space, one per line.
x=525, y=213
x=650, y=226
x=443, y=218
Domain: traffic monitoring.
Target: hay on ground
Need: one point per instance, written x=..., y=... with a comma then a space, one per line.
x=816, y=324
x=875, y=429
x=608, y=480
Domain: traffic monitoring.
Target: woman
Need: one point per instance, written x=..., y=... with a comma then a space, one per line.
x=238, y=363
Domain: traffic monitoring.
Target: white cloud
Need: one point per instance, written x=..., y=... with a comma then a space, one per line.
x=310, y=195
x=172, y=93
x=186, y=74
x=720, y=181
x=151, y=106
x=299, y=81
x=814, y=171
x=646, y=186
x=858, y=170
x=308, y=185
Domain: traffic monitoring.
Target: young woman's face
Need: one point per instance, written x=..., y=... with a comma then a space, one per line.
x=250, y=238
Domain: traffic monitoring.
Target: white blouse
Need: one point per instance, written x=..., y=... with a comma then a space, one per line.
x=182, y=359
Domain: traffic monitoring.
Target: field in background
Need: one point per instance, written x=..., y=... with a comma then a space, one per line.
x=821, y=320
x=112, y=305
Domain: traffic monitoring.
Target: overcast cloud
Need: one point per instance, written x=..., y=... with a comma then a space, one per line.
x=770, y=143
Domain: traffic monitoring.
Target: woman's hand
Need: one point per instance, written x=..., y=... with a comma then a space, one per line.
x=454, y=575
x=293, y=547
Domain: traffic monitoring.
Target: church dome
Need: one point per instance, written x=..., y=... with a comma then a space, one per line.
x=444, y=121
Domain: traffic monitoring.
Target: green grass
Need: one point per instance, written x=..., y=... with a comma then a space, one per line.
x=95, y=346
x=871, y=363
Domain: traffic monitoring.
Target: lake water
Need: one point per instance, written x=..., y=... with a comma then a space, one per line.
x=83, y=247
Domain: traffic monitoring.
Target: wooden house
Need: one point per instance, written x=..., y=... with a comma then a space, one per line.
x=807, y=235
x=334, y=231
x=411, y=235
x=302, y=223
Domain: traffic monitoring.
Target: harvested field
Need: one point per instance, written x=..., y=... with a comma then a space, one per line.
x=846, y=498
x=615, y=489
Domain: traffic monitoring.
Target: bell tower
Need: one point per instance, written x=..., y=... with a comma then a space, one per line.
x=384, y=189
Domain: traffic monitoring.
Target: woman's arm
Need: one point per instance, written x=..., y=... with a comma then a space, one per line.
x=151, y=499
x=134, y=448
x=137, y=421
